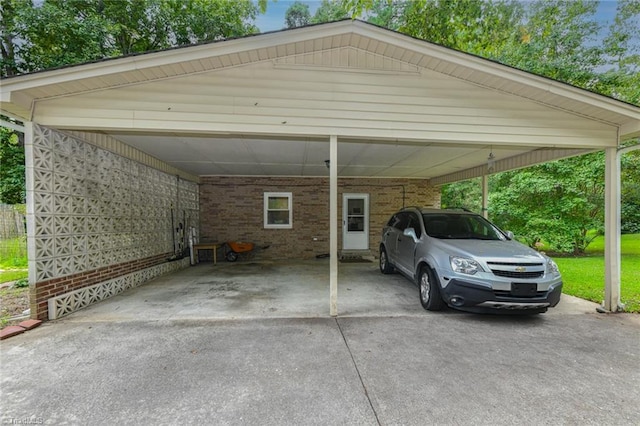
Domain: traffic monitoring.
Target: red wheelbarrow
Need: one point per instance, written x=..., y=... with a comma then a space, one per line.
x=234, y=249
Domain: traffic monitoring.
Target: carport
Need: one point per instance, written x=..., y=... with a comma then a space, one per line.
x=120, y=152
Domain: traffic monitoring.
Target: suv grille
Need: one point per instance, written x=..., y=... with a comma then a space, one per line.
x=514, y=274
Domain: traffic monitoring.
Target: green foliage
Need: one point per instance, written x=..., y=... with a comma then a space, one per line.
x=297, y=15
x=558, y=40
x=22, y=282
x=622, y=46
x=466, y=194
x=59, y=33
x=481, y=27
x=630, y=192
x=12, y=168
x=54, y=33
x=13, y=253
x=196, y=21
x=13, y=275
x=8, y=64
x=557, y=202
x=329, y=11
x=384, y=13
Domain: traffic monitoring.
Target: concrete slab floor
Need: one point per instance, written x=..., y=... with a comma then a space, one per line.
x=260, y=289
x=157, y=361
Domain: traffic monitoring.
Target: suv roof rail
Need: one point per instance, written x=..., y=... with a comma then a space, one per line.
x=412, y=207
x=464, y=209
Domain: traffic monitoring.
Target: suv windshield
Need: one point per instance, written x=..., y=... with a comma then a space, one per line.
x=460, y=226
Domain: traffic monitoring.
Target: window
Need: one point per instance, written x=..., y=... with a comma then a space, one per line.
x=278, y=210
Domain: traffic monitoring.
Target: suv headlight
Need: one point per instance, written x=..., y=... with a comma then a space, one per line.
x=464, y=265
x=552, y=267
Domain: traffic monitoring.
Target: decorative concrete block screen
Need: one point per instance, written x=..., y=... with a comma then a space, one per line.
x=90, y=209
x=70, y=302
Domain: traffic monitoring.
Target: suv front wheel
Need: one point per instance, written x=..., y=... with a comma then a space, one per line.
x=429, y=290
x=385, y=266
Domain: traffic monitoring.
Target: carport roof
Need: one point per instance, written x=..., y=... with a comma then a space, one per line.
x=383, y=92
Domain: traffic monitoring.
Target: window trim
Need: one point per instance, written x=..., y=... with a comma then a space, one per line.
x=268, y=195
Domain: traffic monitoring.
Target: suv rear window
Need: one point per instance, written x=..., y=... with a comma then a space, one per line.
x=460, y=226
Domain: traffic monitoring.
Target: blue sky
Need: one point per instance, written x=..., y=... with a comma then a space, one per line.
x=273, y=20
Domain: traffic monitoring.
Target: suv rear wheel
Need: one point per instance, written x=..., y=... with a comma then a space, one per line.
x=385, y=266
x=429, y=290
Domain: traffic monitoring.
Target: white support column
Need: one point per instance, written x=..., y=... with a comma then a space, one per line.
x=30, y=185
x=333, y=225
x=612, y=231
x=485, y=196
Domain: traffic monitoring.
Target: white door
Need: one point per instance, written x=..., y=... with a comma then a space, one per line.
x=355, y=221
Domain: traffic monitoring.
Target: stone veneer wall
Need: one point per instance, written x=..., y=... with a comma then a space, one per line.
x=231, y=209
x=93, y=215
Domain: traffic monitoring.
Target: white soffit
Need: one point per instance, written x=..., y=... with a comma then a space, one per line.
x=248, y=156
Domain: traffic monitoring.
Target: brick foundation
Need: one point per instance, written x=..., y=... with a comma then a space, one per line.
x=41, y=292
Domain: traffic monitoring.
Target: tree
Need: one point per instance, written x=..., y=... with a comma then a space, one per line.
x=12, y=185
x=386, y=13
x=466, y=194
x=58, y=33
x=53, y=33
x=8, y=64
x=622, y=55
x=297, y=15
x=559, y=202
x=196, y=21
x=630, y=192
x=480, y=27
x=329, y=11
x=558, y=40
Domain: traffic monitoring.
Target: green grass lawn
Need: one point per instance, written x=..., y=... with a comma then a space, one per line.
x=13, y=259
x=13, y=275
x=584, y=276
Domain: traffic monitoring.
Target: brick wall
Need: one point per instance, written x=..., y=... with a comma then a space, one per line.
x=41, y=292
x=231, y=209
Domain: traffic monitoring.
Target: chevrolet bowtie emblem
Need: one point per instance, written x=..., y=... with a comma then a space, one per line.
x=520, y=269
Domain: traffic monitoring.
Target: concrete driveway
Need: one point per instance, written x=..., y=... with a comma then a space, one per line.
x=234, y=344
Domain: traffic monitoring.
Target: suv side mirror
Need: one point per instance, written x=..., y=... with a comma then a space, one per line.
x=410, y=232
x=509, y=235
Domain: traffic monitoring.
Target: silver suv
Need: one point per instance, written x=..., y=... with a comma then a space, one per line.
x=460, y=259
